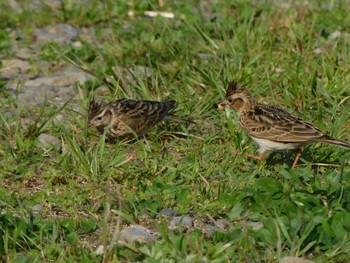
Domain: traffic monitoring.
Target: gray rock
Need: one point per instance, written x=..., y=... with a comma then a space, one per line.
x=41, y=94
x=9, y=114
x=13, y=67
x=48, y=141
x=37, y=209
x=60, y=119
x=63, y=79
x=295, y=260
x=58, y=88
x=59, y=33
x=16, y=8
x=204, y=227
x=167, y=212
x=336, y=34
x=181, y=221
x=255, y=225
x=222, y=223
x=138, y=233
x=34, y=5
x=99, y=250
x=210, y=228
x=25, y=53
x=127, y=76
x=54, y=4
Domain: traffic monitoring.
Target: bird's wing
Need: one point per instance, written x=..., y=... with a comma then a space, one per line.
x=272, y=123
x=157, y=111
x=140, y=115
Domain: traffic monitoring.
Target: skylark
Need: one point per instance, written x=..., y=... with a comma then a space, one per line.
x=126, y=117
x=272, y=128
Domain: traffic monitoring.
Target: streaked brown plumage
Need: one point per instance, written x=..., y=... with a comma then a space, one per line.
x=126, y=117
x=274, y=129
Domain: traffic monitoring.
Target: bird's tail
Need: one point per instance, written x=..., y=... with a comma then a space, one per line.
x=330, y=140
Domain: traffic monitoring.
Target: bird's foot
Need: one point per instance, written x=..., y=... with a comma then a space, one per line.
x=297, y=157
x=255, y=157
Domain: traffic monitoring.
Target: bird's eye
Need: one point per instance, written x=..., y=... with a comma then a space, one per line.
x=99, y=118
x=230, y=100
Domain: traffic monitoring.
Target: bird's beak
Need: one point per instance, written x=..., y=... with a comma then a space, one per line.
x=222, y=105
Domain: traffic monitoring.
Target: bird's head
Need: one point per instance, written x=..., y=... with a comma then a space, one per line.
x=100, y=115
x=236, y=98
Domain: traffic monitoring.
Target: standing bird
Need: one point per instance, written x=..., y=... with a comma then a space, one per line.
x=272, y=128
x=126, y=117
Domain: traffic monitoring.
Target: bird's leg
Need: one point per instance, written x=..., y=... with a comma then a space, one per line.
x=259, y=157
x=297, y=157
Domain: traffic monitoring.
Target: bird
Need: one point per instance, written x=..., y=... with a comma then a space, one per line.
x=273, y=128
x=126, y=117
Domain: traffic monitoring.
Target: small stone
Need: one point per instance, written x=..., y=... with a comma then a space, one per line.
x=137, y=233
x=255, y=225
x=295, y=260
x=222, y=223
x=99, y=250
x=16, y=8
x=13, y=67
x=278, y=70
x=77, y=44
x=37, y=209
x=317, y=51
x=336, y=34
x=61, y=80
x=57, y=89
x=59, y=33
x=60, y=119
x=48, y=141
x=9, y=114
x=167, y=212
x=183, y=221
x=102, y=91
x=207, y=229
x=199, y=223
x=25, y=53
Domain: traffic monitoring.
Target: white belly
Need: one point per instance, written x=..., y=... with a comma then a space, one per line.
x=267, y=145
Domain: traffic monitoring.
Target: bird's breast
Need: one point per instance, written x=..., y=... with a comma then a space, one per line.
x=274, y=145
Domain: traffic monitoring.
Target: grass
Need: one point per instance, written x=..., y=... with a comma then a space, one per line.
x=90, y=189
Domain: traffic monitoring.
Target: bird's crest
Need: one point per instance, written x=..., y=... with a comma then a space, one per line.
x=231, y=88
x=94, y=107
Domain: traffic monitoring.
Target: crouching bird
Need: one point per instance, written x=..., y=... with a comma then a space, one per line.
x=126, y=117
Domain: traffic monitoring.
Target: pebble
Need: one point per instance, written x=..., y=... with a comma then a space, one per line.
x=181, y=221
x=204, y=227
x=255, y=225
x=99, y=250
x=11, y=68
x=295, y=260
x=48, y=141
x=137, y=233
x=33, y=95
x=336, y=34
x=25, y=53
x=57, y=88
x=167, y=212
x=317, y=51
x=37, y=209
x=127, y=75
x=60, y=119
x=59, y=33
x=14, y=6
x=222, y=223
